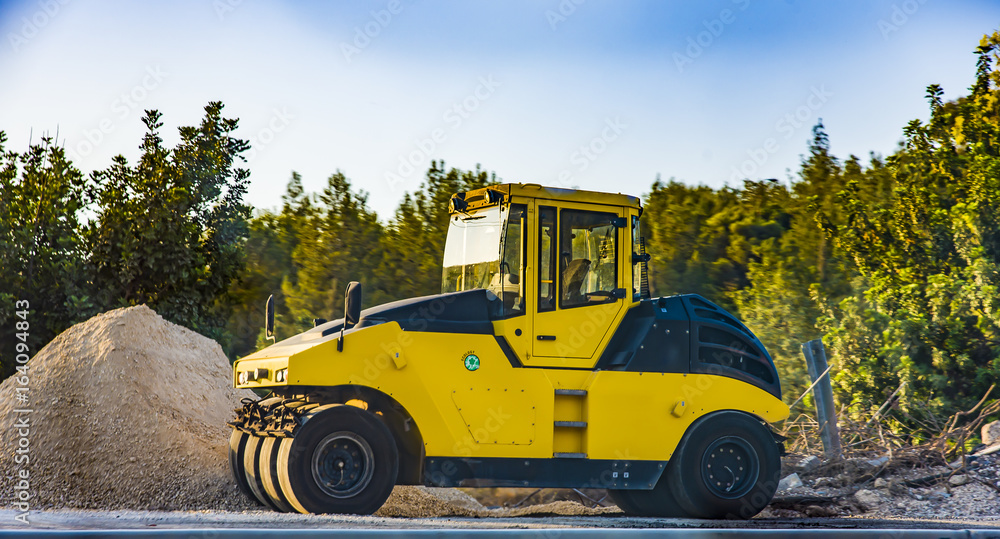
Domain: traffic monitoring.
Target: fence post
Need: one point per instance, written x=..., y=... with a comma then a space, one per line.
x=826, y=413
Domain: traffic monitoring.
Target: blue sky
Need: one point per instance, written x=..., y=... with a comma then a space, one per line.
x=585, y=93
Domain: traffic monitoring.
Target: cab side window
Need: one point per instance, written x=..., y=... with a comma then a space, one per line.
x=588, y=258
x=546, y=258
x=508, y=283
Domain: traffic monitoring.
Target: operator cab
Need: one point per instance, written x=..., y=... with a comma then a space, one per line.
x=561, y=265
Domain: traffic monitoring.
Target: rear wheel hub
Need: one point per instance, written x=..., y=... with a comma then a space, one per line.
x=730, y=467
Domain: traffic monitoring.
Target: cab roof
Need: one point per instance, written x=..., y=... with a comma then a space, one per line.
x=478, y=198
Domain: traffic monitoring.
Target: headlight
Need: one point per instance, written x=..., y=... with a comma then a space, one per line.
x=241, y=378
x=281, y=375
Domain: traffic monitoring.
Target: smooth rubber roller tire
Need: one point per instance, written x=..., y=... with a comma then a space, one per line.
x=251, y=469
x=268, y=466
x=237, y=447
x=726, y=466
x=342, y=460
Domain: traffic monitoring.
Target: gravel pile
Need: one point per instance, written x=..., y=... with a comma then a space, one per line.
x=129, y=411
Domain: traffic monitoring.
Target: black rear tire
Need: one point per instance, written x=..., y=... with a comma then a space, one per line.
x=342, y=460
x=658, y=502
x=726, y=466
x=237, y=446
x=623, y=501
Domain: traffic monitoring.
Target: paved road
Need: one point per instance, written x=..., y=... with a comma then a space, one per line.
x=261, y=524
x=497, y=534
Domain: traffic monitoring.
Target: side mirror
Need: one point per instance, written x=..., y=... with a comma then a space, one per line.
x=352, y=304
x=352, y=310
x=269, y=318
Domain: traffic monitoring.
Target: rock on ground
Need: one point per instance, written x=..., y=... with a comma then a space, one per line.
x=810, y=463
x=789, y=482
x=868, y=498
x=991, y=433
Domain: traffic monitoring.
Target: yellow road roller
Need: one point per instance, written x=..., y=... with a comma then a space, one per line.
x=543, y=363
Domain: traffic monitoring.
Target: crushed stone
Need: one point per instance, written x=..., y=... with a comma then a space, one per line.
x=128, y=411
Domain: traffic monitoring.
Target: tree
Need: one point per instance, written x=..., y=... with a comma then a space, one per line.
x=340, y=242
x=930, y=254
x=798, y=272
x=41, y=252
x=273, y=238
x=170, y=231
x=414, y=240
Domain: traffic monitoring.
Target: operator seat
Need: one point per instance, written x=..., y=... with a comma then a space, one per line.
x=573, y=277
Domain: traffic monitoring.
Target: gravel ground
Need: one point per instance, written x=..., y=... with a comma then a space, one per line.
x=876, y=488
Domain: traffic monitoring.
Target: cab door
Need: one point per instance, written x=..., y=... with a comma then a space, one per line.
x=512, y=284
x=580, y=295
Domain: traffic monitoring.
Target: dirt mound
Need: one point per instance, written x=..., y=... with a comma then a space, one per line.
x=426, y=502
x=128, y=411
x=558, y=508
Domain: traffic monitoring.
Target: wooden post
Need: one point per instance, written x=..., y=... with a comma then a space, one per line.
x=826, y=413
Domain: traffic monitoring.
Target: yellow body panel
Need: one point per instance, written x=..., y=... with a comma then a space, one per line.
x=499, y=410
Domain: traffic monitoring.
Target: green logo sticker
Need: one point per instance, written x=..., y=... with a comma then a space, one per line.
x=471, y=362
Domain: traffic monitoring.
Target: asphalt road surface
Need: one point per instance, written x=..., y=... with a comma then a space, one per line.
x=219, y=524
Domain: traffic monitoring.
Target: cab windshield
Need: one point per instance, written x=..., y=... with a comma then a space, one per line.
x=472, y=250
x=486, y=250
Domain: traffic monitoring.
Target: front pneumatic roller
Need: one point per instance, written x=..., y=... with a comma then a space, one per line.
x=341, y=460
x=252, y=471
x=268, y=465
x=237, y=450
